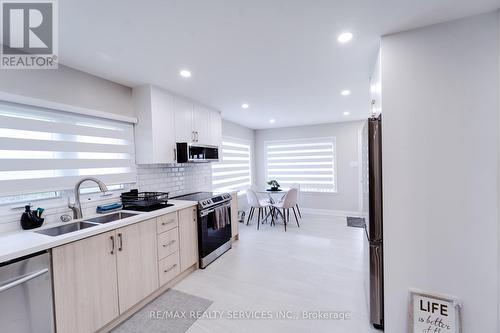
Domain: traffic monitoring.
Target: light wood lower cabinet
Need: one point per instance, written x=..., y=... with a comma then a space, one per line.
x=188, y=237
x=234, y=216
x=85, y=284
x=99, y=278
x=169, y=268
x=137, y=263
x=167, y=222
x=168, y=243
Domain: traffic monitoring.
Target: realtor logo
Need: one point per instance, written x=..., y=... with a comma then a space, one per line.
x=29, y=34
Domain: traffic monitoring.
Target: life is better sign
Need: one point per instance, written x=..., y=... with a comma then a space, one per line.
x=433, y=314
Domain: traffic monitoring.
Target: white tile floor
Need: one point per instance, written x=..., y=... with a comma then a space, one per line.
x=319, y=267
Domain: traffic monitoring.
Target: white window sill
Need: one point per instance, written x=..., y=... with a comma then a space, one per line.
x=319, y=193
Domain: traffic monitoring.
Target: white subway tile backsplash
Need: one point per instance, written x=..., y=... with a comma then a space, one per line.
x=174, y=178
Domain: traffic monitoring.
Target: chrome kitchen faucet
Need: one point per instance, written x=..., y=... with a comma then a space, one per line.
x=77, y=206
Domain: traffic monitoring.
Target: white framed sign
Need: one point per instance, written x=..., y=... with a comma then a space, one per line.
x=433, y=313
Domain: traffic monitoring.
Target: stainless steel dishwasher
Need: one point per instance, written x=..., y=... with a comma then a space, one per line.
x=26, y=303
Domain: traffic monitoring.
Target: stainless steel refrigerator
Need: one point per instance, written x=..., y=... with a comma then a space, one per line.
x=374, y=227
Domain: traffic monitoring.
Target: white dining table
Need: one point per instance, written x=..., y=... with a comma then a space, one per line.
x=274, y=196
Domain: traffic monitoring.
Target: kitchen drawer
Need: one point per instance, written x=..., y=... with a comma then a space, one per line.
x=168, y=243
x=166, y=222
x=169, y=268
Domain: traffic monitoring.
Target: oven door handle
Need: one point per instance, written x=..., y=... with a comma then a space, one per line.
x=211, y=210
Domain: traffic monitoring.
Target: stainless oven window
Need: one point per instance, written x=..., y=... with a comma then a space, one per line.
x=211, y=239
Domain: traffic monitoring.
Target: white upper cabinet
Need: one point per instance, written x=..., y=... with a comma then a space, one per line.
x=155, y=128
x=164, y=119
x=184, y=131
x=196, y=123
x=215, y=129
x=201, y=124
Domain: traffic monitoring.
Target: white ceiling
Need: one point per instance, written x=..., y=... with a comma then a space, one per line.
x=279, y=56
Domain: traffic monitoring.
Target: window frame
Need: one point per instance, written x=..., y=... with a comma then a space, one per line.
x=333, y=140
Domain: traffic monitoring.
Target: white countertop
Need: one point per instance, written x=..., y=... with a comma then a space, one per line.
x=24, y=242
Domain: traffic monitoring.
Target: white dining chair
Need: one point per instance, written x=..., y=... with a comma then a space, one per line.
x=297, y=186
x=284, y=206
x=260, y=204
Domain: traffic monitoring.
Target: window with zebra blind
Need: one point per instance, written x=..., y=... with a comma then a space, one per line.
x=44, y=150
x=310, y=163
x=233, y=172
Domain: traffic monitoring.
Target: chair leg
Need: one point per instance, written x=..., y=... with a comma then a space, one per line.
x=296, y=219
x=266, y=217
x=298, y=210
x=284, y=218
x=249, y=215
x=258, y=217
x=288, y=214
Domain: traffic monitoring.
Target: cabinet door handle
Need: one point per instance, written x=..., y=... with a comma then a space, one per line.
x=170, y=221
x=193, y=136
x=175, y=154
x=169, y=243
x=112, y=244
x=120, y=247
x=169, y=269
x=197, y=136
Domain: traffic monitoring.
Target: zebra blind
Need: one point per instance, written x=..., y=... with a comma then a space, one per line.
x=47, y=150
x=307, y=162
x=233, y=172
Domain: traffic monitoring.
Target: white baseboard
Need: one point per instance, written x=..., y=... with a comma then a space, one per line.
x=329, y=212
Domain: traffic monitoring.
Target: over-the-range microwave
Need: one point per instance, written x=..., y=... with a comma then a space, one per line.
x=194, y=152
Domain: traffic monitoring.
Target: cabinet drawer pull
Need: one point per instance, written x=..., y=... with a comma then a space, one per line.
x=170, y=221
x=112, y=244
x=169, y=243
x=169, y=269
x=120, y=247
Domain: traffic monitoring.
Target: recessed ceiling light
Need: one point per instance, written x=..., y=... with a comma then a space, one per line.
x=245, y=106
x=345, y=92
x=346, y=113
x=272, y=121
x=344, y=37
x=185, y=73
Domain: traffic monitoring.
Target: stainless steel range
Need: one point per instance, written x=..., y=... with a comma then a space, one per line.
x=213, y=238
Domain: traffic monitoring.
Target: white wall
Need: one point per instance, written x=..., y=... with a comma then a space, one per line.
x=69, y=86
x=440, y=150
x=346, y=134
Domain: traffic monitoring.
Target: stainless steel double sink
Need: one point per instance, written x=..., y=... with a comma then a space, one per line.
x=89, y=223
